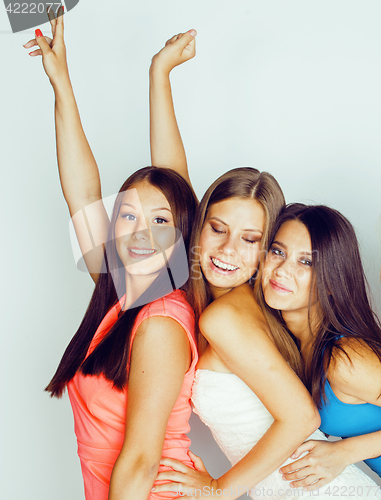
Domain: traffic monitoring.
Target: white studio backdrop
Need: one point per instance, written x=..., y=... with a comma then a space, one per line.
x=287, y=86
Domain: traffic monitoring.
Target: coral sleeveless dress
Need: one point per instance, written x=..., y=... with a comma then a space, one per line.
x=100, y=410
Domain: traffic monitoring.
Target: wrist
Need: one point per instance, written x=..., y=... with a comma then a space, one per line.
x=158, y=70
x=346, y=451
x=61, y=85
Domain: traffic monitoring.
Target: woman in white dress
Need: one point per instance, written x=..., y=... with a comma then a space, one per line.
x=246, y=388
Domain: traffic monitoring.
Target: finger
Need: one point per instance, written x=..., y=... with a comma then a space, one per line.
x=37, y=52
x=297, y=475
x=42, y=43
x=33, y=43
x=59, y=34
x=30, y=44
x=186, y=38
x=174, y=487
x=171, y=40
x=306, y=482
x=175, y=464
x=298, y=464
x=318, y=484
x=307, y=446
x=198, y=463
x=52, y=19
x=169, y=475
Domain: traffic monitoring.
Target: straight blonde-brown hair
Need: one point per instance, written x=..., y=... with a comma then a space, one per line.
x=244, y=183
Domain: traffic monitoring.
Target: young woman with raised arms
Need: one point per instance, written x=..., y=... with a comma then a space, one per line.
x=136, y=343
x=245, y=389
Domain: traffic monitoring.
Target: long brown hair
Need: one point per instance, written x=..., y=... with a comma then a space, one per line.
x=338, y=285
x=244, y=182
x=111, y=354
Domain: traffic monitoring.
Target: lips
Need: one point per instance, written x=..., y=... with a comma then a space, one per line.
x=278, y=287
x=141, y=253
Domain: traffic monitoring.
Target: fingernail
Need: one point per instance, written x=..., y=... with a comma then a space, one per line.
x=193, y=32
x=38, y=33
x=284, y=477
x=293, y=455
x=153, y=489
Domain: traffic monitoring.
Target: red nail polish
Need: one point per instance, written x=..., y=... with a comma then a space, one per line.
x=38, y=33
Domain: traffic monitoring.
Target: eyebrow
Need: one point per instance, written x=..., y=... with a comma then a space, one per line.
x=224, y=223
x=279, y=243
x=153, y=210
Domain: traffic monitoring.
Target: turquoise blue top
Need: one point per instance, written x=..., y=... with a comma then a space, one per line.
x=348, y=420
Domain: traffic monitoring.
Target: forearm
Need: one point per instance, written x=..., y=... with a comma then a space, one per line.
x=269, y=453
x=132, y=478
x=167, y=149
x=358, y=448
x=78, y=170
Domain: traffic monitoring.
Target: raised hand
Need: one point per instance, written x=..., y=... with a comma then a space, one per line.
x=324, y=461
x=186, y=480
x=177, y=50
x=52, y=50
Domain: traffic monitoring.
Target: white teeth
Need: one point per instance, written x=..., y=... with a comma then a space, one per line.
x=221, y=265
x=141, y=251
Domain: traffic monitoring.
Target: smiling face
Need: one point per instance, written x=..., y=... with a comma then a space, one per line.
x=144, y=229
x=230, y=243
x=287, y=273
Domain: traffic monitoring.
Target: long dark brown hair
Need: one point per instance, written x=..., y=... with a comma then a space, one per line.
x=111, y=354
x=339, y=288
x=244, y=182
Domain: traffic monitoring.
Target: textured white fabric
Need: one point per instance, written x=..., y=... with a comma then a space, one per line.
x=238, y=419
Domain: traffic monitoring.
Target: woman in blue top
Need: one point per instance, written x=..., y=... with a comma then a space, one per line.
x=314, y=284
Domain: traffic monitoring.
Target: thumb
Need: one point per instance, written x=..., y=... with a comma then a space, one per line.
x=186, y=38
x=42, y=43
x=198, y=463
x=307, y=446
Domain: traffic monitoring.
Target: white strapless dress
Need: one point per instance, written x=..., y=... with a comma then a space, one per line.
x=238, y=419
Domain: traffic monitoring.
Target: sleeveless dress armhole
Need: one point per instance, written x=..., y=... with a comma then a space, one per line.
x=169, y=307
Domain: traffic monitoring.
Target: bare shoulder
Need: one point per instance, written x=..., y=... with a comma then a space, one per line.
x=232, y=311
x=163, y=330
x=355, y=366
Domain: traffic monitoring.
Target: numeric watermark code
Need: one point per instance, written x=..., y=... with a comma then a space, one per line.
x=26, y=15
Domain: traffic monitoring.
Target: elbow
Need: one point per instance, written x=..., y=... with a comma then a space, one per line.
x=141, y=465
x=311, y=419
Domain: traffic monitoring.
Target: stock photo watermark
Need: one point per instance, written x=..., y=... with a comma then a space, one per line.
x=26, y=15
x=269, y=493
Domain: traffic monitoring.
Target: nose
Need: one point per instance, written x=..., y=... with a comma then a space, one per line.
x=285, y=269
x=141, y=231
x=228, y=246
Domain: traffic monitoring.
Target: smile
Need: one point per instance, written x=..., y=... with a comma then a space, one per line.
x=140, y=253
x=222, y=265
x=278, y=287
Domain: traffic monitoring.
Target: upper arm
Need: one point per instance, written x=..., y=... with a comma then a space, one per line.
x=357, y=371
x=159, y=359
x=91, y=224
x=247, y=350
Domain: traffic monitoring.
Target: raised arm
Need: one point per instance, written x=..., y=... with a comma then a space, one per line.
x=160, y=357
x=167, y=149
x=78, y=170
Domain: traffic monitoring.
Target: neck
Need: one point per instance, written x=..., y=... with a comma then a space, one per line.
x=299, y=325
x=135, y=287
x=218, y=292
